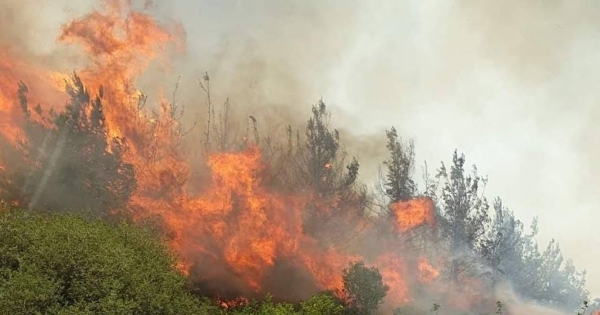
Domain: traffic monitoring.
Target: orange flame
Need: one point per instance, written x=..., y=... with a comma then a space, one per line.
x=412, y=213
x=427, y=272
x=234, y=220
x=393, y=272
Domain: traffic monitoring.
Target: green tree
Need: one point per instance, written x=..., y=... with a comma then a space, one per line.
x=504, y=245
x=398, y=184
x=321, y=166
x=70, y=162
x=65, y=264
x=559, y=283
x=363, y=288
x=323, y=161
x=464, y=214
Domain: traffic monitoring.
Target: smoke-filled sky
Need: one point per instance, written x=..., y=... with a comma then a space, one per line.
x=512, y=84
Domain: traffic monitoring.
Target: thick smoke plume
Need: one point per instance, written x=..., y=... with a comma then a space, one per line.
x=252, y=188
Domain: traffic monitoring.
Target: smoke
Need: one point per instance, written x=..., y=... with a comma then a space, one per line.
x=481, y=76
x=512, y=304
x=30, y=30
x=511, y=84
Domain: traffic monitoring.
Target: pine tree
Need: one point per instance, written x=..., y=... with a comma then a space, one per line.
x=464, y=214
x=321, y=167
x=398, y=184
x=71, y=164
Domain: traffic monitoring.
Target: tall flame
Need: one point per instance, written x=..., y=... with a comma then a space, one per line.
x=235, y=220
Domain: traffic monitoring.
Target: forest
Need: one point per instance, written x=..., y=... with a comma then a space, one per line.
x=99, y=221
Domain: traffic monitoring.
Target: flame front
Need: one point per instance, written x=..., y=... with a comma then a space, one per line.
x=234, y=223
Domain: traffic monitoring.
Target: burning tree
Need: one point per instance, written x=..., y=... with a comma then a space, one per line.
x=68, y=162
x=339, y=202
x=253, y=212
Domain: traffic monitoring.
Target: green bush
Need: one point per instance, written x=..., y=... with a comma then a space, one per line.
x=364, y=288
x=321, y=304
x=265, y=307
x=64, y=264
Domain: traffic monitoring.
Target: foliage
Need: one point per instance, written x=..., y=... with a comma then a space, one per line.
x=321, y=304
x=464, y=207
x=322, y=153
x=505, y=243
x=514, y=256
x=320, y=165
x=265, y=307
x=363, y=288
x=64, y=264
x=68, y=265
x=69, y=162
x=398, y=184
x=464, y=216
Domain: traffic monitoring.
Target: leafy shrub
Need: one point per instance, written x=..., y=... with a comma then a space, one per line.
x=64, y=264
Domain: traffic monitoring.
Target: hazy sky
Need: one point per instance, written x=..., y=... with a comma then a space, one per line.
x=512, y=84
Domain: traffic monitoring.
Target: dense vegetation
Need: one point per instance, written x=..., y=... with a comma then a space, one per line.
x=68, y=264
x=63, y=264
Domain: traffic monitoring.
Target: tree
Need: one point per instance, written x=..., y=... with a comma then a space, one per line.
x=398, y=184
x=65, y=264
x=364, y=288
x=504, y=245
x=464, y=214
x=265, y=307
x=320, y=166
x=559, y=284
x=514, y=256
x=323, y=161
x=70, y=162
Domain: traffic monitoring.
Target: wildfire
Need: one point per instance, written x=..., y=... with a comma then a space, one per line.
x=13, y=71
x=393, y=272
x=8, y=127
x=427, y=272
x=412, y=213
x=233, y=223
